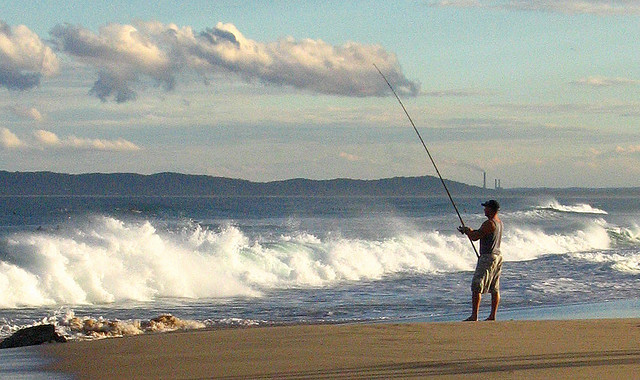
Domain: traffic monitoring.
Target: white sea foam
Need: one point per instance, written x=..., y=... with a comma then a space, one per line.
x=96, y=328
x=625, y=261
x=626, y=236
x=526, y=243
x=560, y=286
x=83, y=328
x=104, y=260
x=578, y=208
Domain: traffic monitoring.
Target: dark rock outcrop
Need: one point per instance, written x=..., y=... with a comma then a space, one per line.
x=32, y=336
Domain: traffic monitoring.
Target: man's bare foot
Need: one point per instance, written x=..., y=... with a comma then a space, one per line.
x=490, y=319
x=471, y=319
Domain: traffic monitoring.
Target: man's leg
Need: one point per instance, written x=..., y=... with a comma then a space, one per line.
x=495, y=301
x=475, y=306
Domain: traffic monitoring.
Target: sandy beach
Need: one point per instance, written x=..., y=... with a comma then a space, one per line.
x=604, y=348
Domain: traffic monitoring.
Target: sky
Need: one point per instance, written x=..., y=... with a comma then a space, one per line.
x=535, y=93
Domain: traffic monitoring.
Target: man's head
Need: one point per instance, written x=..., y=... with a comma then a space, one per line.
x=491, y=207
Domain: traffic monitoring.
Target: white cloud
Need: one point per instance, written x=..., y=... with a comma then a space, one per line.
x=454, y=93
x=628, y=150
x=28, y=113
x=611, y=152
x=598, y=81
x=9, y=140
x=124, y=54
x=24, y=58
x=595, y=152
x=595, y=7
x=46, y=137
x=458, y=3
x=350, y=157
x=622, y=109
x=100, y=144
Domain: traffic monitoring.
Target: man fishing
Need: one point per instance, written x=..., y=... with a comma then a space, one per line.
x=486, y=278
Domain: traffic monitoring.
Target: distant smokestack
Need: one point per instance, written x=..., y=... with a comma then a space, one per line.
x=495, y=185
x=484, y=180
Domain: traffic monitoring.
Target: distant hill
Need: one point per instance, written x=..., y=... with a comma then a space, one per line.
x=175, y=184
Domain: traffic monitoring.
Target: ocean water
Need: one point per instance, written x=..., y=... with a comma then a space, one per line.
x=109, y=266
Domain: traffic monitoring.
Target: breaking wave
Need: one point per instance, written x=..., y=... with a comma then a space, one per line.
x=622, y=261
x=578, y=208
x=104, y=260
x=626, y=236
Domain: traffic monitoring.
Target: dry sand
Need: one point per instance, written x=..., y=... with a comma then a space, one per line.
x=596, y=349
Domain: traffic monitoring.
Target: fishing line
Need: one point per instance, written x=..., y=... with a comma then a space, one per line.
x=429, y=154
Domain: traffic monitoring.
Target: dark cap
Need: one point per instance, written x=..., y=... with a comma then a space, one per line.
x=492, y=204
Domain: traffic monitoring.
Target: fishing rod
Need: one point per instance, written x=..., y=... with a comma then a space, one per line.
x=429, y=154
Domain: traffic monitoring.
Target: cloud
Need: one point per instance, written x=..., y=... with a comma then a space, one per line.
x=595, y=7
x=631, y=149
x=454, y=93
x=9, y=140
x=571, y=7
x=27, y=113
x=100, y=144
x=608, y=153
x=595, y=152
x=46, y=137
x=350, y=157
x=624, y=110
x=120, y=53
x=457, y=3
x=605, y=82
x=126, y=54
x=24, y=58
x=110, y=84
x=50, y=139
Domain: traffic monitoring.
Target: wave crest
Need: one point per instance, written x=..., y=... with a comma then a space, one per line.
x=105, y=260
x=578, y=208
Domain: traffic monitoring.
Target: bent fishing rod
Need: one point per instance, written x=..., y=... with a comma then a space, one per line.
x=429, y=154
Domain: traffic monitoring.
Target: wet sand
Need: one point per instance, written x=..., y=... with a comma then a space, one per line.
x=602, y=349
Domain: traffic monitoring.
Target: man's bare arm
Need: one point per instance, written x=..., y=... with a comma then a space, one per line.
x=487, y=228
